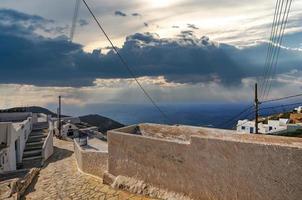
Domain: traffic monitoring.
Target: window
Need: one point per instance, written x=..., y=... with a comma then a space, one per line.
x=270, y=128
x=251, y=130
x=242, y=127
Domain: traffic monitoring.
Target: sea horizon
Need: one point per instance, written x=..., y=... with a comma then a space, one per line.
x=216, y=115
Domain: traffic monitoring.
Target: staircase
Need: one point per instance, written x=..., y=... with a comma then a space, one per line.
x=32, y=155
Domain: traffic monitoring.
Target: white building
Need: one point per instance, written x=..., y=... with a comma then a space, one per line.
x=68, y=126
x=70, y=130
x=298, y=109
x=14, y=131
x=272, y=127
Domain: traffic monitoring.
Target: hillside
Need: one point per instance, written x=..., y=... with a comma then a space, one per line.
x=33, y=109
x=103, y=123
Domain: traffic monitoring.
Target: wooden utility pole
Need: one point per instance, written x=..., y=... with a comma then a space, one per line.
x=59, y=116
x=256, y=109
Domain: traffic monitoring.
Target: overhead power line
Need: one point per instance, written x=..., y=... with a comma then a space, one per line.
x=278, y=28
x=282, y=98
x=270, y=45
x=274, y=65
x=126, y=65
x=281, y=106
x=267, y=108
x=273, y=42
x=246, y=117
x=227, y=122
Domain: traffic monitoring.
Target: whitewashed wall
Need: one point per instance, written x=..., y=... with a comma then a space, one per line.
x=16, y=132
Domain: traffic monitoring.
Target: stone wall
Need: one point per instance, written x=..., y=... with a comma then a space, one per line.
x=212, y=164
x=91, y=161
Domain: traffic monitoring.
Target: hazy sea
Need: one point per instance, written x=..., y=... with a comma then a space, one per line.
x=196, y=114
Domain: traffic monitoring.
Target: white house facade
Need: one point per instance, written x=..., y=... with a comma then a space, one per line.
x=13, y=136
x=272, y=127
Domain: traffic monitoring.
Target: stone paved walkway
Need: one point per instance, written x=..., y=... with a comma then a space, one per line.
x=60, y=179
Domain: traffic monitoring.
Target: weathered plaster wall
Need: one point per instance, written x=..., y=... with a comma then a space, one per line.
x=91, y=161
x=14, y=134
x=20, y=132
x=47, y=149
x=16, y=116
x=211, y=165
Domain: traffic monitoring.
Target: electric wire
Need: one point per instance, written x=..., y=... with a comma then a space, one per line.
x=269, y=46
x=282, y=98
x=270, y=107
x=279, y=47
x=274, y=56
x=225, y=123
x=126, y=65
x=273, y=41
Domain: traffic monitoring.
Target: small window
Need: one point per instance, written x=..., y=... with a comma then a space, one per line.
x=251, y=130
x=242, y=127
x=270, y=128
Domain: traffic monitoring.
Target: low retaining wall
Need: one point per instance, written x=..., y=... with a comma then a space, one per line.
x=15, y=187
x=211, y=164
x=91, y=161
x=47, y=149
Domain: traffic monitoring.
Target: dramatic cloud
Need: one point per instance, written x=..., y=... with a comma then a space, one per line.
x=117, y=91
x=192, y=26
x=120, y=13
x=29, y=58
x=28, y=23
x=83, y=22
x=136, y=15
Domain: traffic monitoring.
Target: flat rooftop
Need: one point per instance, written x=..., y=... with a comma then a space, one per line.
x=14, y=117
x=182, y=133
x=95, y=144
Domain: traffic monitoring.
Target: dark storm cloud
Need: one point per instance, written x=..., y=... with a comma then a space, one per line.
x=29, y=22
x=83, y=22
x=192, y=26
x=136, y=15
x=13, y=16
x=26, y=57
x=120, y=13
x=186, y=34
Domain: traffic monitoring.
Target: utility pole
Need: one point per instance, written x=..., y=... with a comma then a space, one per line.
x=59, y=117
x=256, y=109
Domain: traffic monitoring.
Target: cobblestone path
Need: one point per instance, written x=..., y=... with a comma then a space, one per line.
x=60, y=179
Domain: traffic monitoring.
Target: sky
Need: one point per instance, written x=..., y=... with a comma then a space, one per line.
x=180, y=50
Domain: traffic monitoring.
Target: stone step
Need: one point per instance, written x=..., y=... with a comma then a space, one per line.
x=32, y=158
x=33, y=133
x=37, y=136
x=30, y=148
x=32, y=153
x=34, y=143
x=31, y=140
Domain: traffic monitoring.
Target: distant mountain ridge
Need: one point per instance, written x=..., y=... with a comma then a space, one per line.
x=103, y=123
x=33, y=109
